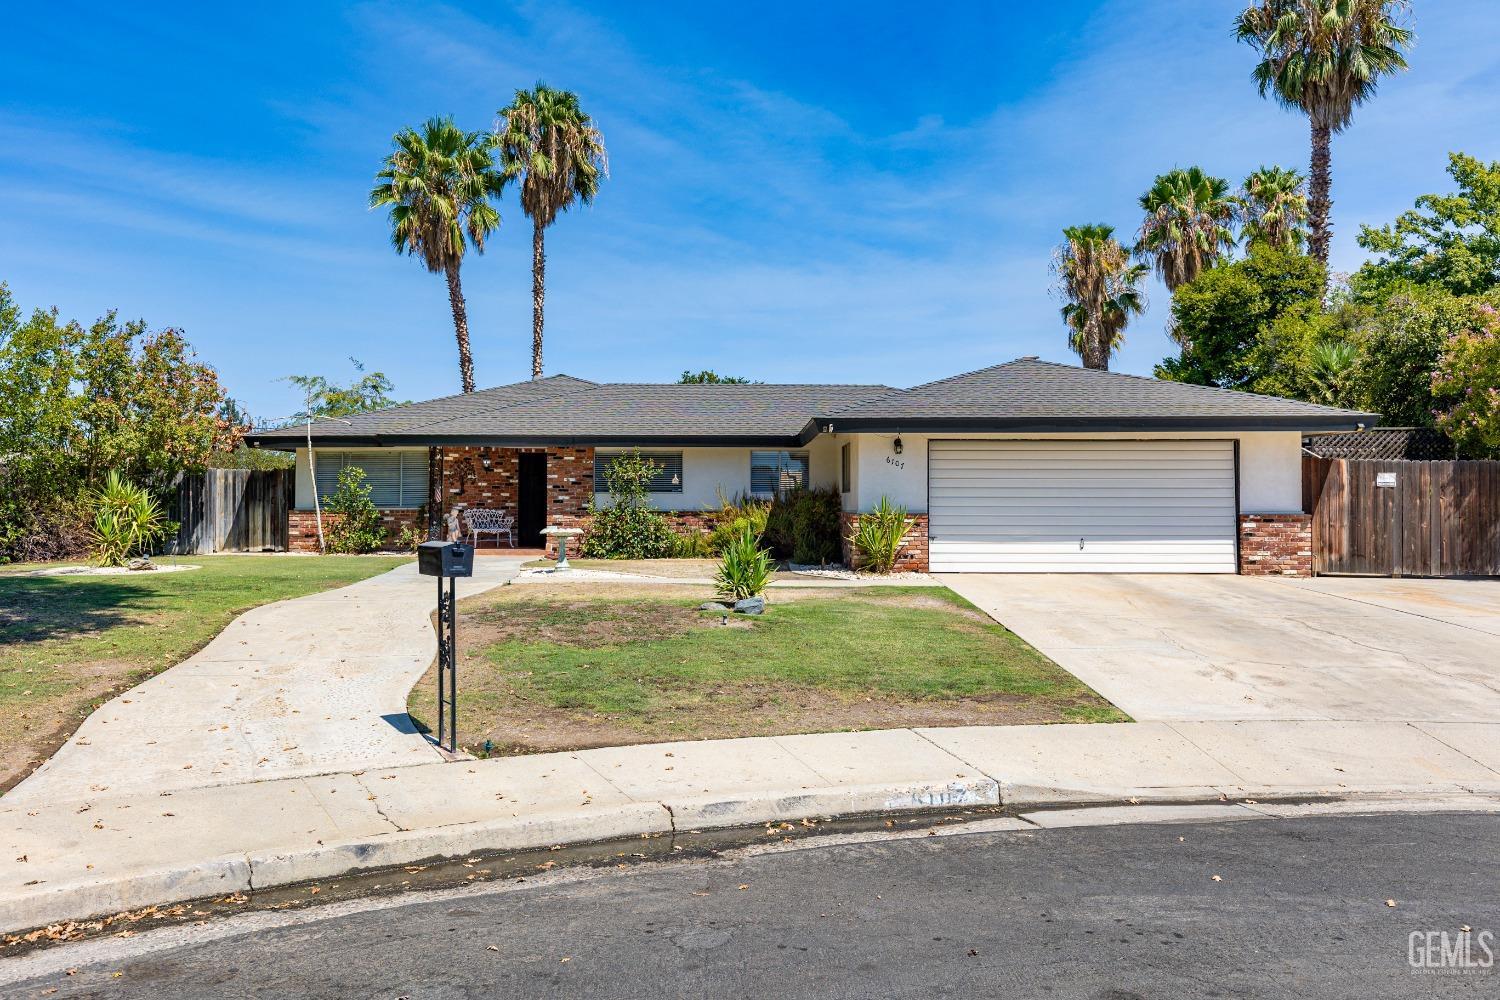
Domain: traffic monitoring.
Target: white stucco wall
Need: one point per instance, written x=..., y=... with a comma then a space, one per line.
x=1270, y=467
x=707, y=471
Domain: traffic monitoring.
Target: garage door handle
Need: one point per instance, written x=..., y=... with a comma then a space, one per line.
x=1080, y=545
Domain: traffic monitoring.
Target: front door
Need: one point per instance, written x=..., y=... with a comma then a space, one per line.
x=531, y=499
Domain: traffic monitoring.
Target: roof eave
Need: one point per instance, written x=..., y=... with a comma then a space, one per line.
x=292, y=442
x=959, y=425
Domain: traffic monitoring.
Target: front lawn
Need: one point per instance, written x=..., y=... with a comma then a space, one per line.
x=560, y=666
x=67, y=643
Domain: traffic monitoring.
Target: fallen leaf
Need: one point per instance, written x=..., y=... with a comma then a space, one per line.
x=1390, y=902
x=492, y=948
x=742, y=887
x=1218, y=878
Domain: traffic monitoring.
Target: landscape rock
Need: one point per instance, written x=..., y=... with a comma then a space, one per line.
x=144, y=562
x=713, y=606
x=750, y=606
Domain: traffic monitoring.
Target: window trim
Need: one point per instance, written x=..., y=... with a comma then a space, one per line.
x=782, y=455
x=603, y=455
x=846, y=469
x=412, y=474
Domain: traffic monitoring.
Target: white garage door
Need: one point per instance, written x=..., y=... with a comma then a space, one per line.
x=1081, y=506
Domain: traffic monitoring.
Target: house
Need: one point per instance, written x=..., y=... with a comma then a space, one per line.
x=1027, y=466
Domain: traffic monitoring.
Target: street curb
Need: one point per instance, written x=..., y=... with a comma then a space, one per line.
x=228, y=874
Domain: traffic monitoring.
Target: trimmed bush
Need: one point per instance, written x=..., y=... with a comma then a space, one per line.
x=628, y=528
x=803, y=526
x=355, y=526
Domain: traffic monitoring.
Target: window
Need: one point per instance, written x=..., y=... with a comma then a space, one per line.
x=773, y=472
x=668, y=477
x=396, y=478
x=845, y=484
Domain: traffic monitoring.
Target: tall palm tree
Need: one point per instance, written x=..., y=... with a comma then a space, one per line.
x=1101, y=287
x=1272, y=204
x=439, y=183
x=1324, y=58
x=1186, y=227
x=549, y=144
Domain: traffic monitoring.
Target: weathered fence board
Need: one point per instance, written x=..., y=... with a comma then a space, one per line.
x=1429, y=519
x=231, y=510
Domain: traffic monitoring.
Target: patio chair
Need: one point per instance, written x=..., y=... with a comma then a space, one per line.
x=494, y=522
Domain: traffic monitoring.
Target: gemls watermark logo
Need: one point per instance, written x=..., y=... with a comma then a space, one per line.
x=1460, y=953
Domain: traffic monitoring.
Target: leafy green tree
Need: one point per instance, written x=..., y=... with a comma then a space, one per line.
x=76, y=402
x=552, y=147
x=1466, y=383
x=1186, y=227
x=1272, y=205
x=708, y=377
x=354, y=524
x=439, y=183
x=1324, y=58
x=369, y=391
x=629, y=528
x=1449, y=240
x=1218, y=318
x=1101, y=291
x=1306, y=352
x=1402, y=339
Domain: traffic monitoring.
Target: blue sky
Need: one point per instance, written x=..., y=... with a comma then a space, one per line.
x=834, y=192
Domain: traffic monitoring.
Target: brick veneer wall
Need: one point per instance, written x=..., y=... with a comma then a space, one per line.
x=912, y=556
x=302, y=526
x=683, y=522
x=1276, y=544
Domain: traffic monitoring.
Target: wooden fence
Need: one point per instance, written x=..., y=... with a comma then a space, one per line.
x=1400, y=518
x=231, y=510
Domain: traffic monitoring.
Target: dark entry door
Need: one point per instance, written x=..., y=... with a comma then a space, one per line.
x=531, y=499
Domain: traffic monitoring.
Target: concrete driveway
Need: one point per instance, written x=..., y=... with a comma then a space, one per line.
x=1174, y=648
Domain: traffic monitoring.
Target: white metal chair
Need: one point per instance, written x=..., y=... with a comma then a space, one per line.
x=493, y=522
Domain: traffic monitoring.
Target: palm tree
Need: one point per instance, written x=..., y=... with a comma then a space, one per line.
x=439, y=183
x=1273, y=208
x=1186, y=227
x=553, y=148
x=1332, y=365
x=1324, y=58
x=1101, y=287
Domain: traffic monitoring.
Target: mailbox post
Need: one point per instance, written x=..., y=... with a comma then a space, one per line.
x=447, y=561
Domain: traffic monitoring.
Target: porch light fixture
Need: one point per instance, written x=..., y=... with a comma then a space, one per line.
x=486, y=461
x=896, y=444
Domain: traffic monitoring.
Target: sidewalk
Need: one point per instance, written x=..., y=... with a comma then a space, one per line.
x=112, y=851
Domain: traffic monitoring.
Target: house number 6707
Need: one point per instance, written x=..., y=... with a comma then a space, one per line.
x=899, y=463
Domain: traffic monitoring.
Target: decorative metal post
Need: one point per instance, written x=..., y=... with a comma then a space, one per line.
x=446, y=561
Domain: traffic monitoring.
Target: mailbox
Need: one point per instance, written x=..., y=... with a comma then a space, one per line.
x=445, y=559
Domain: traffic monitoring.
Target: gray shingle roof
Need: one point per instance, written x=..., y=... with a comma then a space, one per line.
x=1032, y=392
x=1021, y=395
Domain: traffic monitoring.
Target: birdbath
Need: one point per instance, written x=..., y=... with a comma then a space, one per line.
x=562, y=535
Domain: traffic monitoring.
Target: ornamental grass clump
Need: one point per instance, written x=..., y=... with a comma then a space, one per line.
x=877, y=538
x=127, y=520
x=745, y=568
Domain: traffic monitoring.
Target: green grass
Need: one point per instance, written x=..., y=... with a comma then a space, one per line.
x=66, y=642
x=846, y=659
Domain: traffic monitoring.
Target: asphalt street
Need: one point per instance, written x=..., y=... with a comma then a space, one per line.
x=1276, y=908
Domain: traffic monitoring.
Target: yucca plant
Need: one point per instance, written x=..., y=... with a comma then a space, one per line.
x=127, y=520
x=877, y=537
x=744, y=569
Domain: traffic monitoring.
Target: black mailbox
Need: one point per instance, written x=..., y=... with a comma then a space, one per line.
x=445, y=559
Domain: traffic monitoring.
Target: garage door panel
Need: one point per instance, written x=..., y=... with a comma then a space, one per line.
x=1137, y=506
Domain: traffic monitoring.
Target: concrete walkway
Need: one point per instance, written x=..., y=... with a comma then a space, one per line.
x=311, y=685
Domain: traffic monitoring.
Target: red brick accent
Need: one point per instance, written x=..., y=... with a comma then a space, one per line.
x=302, y=527
x=912, y=556
x=1276, y=544
x=683, y=522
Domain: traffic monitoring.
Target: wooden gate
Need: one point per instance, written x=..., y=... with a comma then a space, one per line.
x=1403, y=518
x=232, y=510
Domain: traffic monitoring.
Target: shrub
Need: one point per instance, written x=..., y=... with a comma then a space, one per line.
x=877, y=538
x=628, y=528
x=803, y=526
x=736, y=516
x=356, y=525
x=126, y=520
x=692, y=545
x=745, y=568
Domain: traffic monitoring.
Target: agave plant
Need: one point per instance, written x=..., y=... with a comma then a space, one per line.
x=877, y=537
x=745, y=568
x=127, y=520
